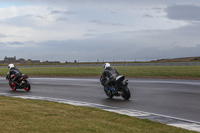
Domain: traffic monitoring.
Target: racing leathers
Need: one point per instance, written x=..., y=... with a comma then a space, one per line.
x=109, y=76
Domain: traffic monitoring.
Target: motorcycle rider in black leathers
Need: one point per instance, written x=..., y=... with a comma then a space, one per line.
x=15, y=71
x=109, y=75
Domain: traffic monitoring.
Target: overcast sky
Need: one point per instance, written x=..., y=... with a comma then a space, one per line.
x=105, y=30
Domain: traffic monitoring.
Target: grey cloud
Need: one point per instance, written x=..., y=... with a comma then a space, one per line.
x=30, y=21
x=69, y=12
x=56, y=12
x=116, y=24
x=113, y=2
x=148, y=15
x=16, y=43
x=106, y=23
x=185, y=36
x=83, y=50
x=98, y=22
x=2, y=43
x=118, y=46
x=92, y=30
x=42, y=17
x=2, y=35
x=26, y=44
x=62, y=12
x=90, y=35
x=21, y=21
x=170, y=52
x=9, y=44
x=157, y=8
x=113, y=12
x=99, y=3
x=110, y=48
x=184, y=12
x=62, y=19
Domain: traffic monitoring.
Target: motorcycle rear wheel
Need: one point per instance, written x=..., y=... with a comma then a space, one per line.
x=108, y=92
x=27, y=86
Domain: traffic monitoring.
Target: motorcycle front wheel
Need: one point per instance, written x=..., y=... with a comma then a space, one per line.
x=125, y=93
x=12, y=86
x=108, y=92
x=27, y=86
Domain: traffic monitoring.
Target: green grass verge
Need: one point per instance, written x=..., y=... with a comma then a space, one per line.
x=22, y=116
x=131, y=71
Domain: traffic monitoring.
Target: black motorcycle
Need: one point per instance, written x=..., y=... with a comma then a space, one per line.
x=19, y=83
x=117, y=88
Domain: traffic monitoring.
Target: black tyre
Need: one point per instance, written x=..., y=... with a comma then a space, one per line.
x=126, y=93
x=108, y=92
x=27, y=86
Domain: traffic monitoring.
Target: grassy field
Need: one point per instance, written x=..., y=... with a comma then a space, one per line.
x=22, y=116
x=185, y=72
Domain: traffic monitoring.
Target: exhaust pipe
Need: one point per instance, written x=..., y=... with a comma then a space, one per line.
x=126, y=82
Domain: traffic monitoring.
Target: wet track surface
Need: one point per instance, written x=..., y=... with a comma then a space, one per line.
x=176, y=98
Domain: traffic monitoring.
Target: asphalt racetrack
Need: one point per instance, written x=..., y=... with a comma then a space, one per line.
x=176, y=98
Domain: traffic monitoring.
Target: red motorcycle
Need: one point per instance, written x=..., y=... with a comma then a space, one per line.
x=19, y=83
